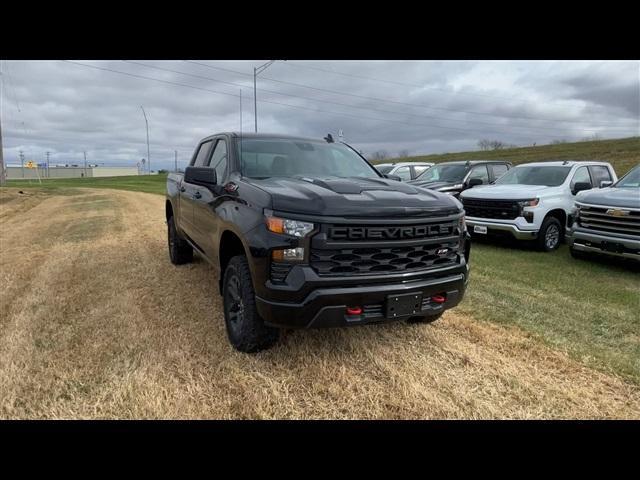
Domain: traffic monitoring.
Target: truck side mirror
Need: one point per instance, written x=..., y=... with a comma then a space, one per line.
x=605, y=183
x=204, y=176
x=392, y=177
x=473, y=182
x=580, y=186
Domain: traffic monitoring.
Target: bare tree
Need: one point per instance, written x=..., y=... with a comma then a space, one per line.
x=592, y=138
x=558, y=142
x=484, y=144
x=379, y=155
x=403, y=153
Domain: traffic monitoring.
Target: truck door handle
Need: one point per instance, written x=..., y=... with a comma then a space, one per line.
x=182, y=189
x=197, y=195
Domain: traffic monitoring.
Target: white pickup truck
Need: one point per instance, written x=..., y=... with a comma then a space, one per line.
x=532, y=201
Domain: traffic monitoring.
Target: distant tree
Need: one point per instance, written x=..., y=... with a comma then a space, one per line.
x=403, y=153
x=592, y=138
x=485, y=144
x=558, y=142
x=162, y=171
x=379, y=155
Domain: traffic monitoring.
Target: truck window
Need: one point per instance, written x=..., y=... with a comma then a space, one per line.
x=404, y=173
x=600, y=174
x=219, y=160
x=581, y=175
x=498, y=170
x=480, y=172
x=419, y=170
x=202, y=155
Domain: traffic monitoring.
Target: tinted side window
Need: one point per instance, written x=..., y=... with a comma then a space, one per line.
x=581, y=175
x=203, y=154
x=600, y=174
x=498, y=170
x=219, y=160
x=480, y=172
x=404, y=173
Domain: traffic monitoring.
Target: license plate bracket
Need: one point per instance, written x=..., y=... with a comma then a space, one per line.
x=403, y=304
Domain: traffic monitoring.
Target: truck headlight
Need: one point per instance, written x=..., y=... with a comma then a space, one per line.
x=529, y=203
x=295, y=228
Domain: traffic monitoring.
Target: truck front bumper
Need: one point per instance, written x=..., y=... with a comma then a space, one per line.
x=496, y=227
x=586, y=241
x=327, y=307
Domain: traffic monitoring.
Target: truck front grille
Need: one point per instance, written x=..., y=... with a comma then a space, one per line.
x=496, y=209
x=438, y=247
x=610, y=219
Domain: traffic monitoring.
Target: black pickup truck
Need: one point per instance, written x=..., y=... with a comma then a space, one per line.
x=306, y=233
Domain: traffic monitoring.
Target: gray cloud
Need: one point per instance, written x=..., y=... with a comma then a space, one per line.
x=423, y=107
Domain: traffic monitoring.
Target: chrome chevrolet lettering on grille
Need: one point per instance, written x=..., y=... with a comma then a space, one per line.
x=386, y=233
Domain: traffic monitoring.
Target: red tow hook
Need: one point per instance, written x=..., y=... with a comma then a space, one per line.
x=354, y=310
x=440, y=298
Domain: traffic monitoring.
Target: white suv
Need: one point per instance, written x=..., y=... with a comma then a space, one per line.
x=532, y=201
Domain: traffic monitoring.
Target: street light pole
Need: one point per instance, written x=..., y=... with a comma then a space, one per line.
x=148, y=152
x=257, y=71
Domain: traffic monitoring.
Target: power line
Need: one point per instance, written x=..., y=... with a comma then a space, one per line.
x=385, y=100
x=357, y=106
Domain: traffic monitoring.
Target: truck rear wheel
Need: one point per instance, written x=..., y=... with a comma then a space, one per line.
x=180, y=251
x=550, y=234
x=247, y=332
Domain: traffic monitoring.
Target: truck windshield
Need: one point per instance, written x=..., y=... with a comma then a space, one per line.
x=630, y=180
x=444, y=173
x=535, y=175
x=281, y=157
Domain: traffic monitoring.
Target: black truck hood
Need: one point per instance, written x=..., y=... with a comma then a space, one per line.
x=354, y=197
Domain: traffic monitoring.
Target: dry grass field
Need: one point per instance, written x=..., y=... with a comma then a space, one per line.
x=96, y=323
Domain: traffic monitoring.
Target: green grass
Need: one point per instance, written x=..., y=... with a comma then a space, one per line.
x=590, y=309
x=139, y=183
x=623, y=154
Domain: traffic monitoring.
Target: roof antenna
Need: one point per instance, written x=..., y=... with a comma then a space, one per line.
x=329, y=138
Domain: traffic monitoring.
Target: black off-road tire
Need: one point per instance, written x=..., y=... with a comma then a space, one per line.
x=428, y=319
x=246, y=331
x=180, y=252
x=550, y=235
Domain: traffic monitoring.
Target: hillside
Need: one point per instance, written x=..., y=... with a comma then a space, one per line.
x=623, y=153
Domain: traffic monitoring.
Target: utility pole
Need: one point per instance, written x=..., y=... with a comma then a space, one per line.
x=148, y=153
x=85, y=164
x=48, y=153
x=22, y=162
x=257, y=71
x=176, y=160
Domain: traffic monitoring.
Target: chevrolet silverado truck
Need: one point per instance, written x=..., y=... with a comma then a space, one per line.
x=607, y=221
x=306, y=233
x=455, y=177
x=532, y=201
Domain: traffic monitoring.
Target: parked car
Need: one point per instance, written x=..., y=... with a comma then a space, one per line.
x=607, y=221
x=455, y=177
x=532, y=201
x=305, y=233
x=405, y=170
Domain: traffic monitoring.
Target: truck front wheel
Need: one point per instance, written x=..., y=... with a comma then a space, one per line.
x=550, y=234
x=245, y=329
x=180, y=251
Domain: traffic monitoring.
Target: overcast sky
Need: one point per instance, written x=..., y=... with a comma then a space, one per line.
x=419, y=106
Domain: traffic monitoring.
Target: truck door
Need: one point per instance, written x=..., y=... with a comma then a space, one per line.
x=205, y=217
x=189, y=192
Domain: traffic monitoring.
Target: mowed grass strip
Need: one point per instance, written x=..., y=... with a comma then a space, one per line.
x=138, y=183
x=589, y=308
x=105, y=327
